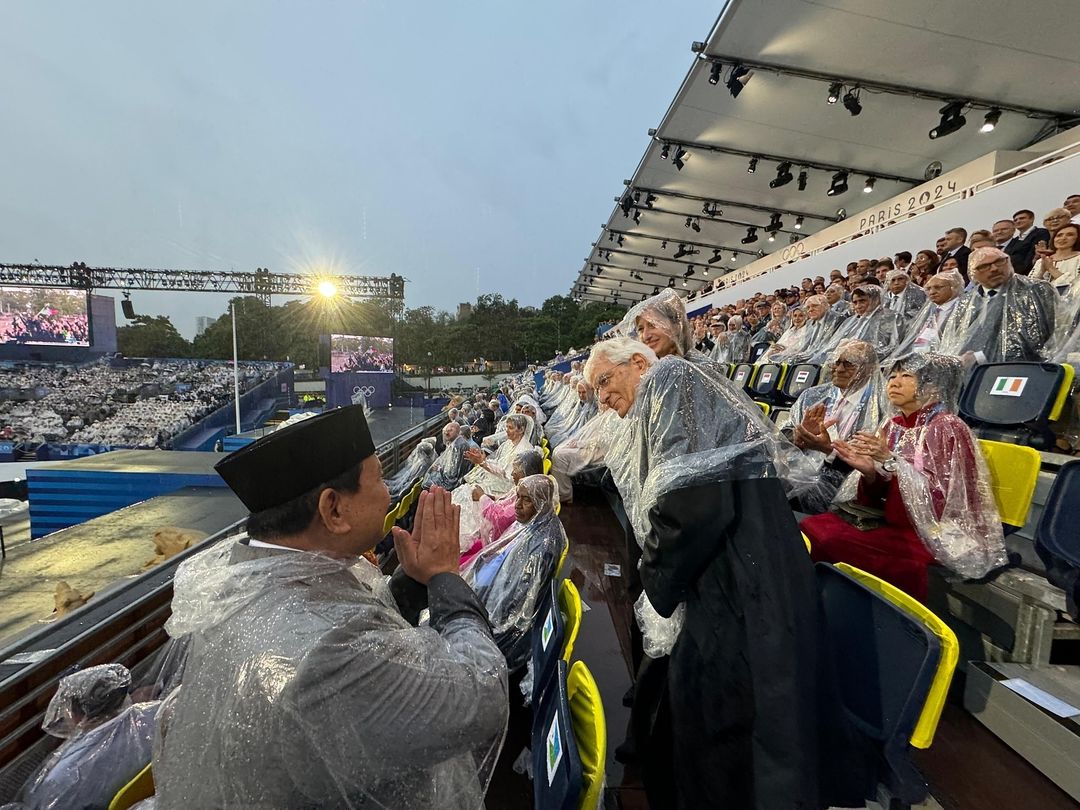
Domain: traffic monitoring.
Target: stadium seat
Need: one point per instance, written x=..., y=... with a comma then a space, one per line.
x=391, y=518
x=565, y=551
x=547, y=465
x=1057, y=539
x=765, y=407
x=780, y=417
x=1014, y=402
x=139, y=788
x=798, y=378
x=1014, y=471
x=557, y=774
x=806, y=540
x=767, y=382
x=742, y=375
x=892, y=666
x=570, y=607
x=549, y=632
x=757, y=350
x=590, y=732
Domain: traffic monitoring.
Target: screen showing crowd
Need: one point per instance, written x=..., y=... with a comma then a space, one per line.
x=360, y=353
x=44, y=316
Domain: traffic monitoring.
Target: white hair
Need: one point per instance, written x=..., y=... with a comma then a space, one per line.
x=953, y=277
x=616, y=350
x=735, y=320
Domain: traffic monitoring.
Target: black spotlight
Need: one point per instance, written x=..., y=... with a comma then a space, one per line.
x=737, y=80
x=802, y=180
x=714, y=72
x=834, y=92
x=649, y=200
x=868, y=186
x=753, y=166
x=665, y=150
x=798, y=223
x=991, y=120
x=717, y=256
x=952, y=119
x=695, y=225
x=655, y=290
x=751, y=236
x=851, y=101
x=841, y=214
x=687, y=223
x=681, y=156
x=637, y=216
x=671, y=281
x=626, y=204
x=127, y=307
x=839, y=184
x=775, y=223
x=783, y=175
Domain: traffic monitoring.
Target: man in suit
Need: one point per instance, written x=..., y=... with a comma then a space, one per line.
x=1026, y=238
x=955, y=248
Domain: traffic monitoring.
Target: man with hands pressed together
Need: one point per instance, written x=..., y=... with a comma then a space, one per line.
x=309, y=683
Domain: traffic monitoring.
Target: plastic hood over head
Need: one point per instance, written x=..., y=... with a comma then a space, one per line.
x=86, y=699
x=414, y=468
x=938, y=377
x=667, y=313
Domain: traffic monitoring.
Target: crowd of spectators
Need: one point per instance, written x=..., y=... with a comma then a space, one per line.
x=143, y=405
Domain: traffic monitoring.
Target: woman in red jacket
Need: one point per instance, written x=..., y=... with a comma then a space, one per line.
x=926, y=474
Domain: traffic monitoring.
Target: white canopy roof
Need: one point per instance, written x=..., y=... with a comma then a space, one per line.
x=902, y=61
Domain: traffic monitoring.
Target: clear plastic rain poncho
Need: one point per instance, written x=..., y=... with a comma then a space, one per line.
x=910, y=300
x=588, y=445
x=665, y=313
x=512, y=574
x=791, y=341
x=818, y=335
x=689, y=426
x=732, y=346
x=1013, y=324
x=415, y=467
x=484, y=520
x=879, y=327
x=107, y=741
x=862, y=405
x=943, y=477
x=451, y=466
x=536, y=432
x=922, y=332
x=567, y=401
x=494, y=475
x=307, y=688
x=583, y=411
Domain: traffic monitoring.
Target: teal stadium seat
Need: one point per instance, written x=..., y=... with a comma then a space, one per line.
x=557, y=771
x=1015, y=402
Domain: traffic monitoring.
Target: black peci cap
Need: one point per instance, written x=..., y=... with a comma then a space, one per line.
x=291, y=461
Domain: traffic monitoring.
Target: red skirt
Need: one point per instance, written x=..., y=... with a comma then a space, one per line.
x=893, y=553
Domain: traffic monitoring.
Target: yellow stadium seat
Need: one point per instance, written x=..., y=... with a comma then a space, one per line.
x=139, y=788
x=1063, y=392
x=391, y=519
x=590, y=732
x=923, y=734
x=1014, y=471
x=547, y=466
x=806, y=540
x=570, y=607
x=764, y=407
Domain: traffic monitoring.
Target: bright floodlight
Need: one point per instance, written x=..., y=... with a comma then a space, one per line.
x=327, y=289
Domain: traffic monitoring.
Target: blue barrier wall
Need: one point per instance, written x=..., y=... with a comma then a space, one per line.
x=204, y=434
x=376, y=387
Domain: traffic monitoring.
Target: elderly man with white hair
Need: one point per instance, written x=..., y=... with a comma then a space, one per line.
x=923, y=332
x=725, y=707
x=1005, y=317
x=905, y=298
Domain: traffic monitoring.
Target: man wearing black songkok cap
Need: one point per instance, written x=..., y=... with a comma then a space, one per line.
x=308, y=683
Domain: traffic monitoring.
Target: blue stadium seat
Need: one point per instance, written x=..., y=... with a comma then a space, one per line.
x=757, y=350
x=743, y=375
x=885, y=661
x=1015, y=402
x=1057, y=540
x=767, y=382
x=799, y=377
x=547, y=642
x=557, y=773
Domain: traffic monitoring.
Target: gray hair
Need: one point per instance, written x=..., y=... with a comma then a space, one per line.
x=953, y=277
x=616, y=350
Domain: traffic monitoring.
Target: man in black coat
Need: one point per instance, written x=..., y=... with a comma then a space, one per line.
x=956, y=249
x=726, y=712
x=1021, y=246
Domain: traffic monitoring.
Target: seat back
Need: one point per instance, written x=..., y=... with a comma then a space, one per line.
x=757, y=350
x=139, y=788
x=800, y=377
x=549, y=632
x=780, y=416
x=767, y=381
x=557, y=776
x=743, y=375
x=570, y=607
x=1012, y=394
x=547, y=465
x=590, y=732
x=1058, y=531
x=765, y=407
x=1014, y=471
x=884, y=661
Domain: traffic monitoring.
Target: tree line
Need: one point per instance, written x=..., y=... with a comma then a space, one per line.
x=496, y=329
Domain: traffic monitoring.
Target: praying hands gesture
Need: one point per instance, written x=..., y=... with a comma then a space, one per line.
x=432, y=546
x=813, y=432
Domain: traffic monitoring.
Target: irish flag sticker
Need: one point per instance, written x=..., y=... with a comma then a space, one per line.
x=1008, y=387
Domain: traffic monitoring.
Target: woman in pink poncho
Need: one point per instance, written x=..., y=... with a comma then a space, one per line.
x=496, y=514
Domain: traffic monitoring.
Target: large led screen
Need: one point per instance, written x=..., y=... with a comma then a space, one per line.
x=360, y=353
x=44, y=316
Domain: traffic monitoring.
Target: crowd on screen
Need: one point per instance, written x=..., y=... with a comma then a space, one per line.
x=138, y=406
x=44, y=327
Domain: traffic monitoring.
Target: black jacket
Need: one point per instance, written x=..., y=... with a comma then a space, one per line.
x=1022, y=251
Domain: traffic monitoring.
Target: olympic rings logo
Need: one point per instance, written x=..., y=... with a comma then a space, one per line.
x=366, y=390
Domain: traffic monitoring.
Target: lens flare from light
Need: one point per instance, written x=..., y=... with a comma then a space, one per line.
x=327, y=289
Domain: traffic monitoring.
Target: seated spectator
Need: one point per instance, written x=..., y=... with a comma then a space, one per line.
x=822, y=321
x=926, y=477
x=1060, y=267
x=494, y=515
x=493, y=473
x=853, y=400
x=776, y=325
x=903, y=260
x=956, y=249
x=871, y=323
x=733, y=346
x=415, y=467
x=792, y=340
x=980, y=238
x=584, y=409
x=904, y=299
x=1004, y=318
x=511, y=575
x=107, y=741
x=835, y=295
x=1072, y=205
x=923, y=333
x=1027, y=237
x=450, y=468
x=925, y=265
x=584, y=451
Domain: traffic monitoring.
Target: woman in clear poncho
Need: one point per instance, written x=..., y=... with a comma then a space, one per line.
x=511, y=575
x=414, y=468
x=492, y=473
x=926, y=473
x=527, y=406
x=583, y=450
x=492, y=516
x=793, y=338
x=725, y=706
x=566, y=404
x=853, y=400
x=871, y=323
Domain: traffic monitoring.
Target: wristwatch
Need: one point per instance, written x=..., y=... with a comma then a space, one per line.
x=889, y=465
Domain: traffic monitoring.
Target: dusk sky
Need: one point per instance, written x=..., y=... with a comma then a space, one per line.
x=470, y=147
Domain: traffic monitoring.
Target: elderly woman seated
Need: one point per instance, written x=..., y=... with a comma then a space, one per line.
x=853, y=400
x=724, y=711
x=512, y=573
x=490, y=517
x=920, y=492
x=792, y=339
